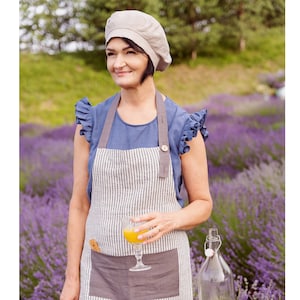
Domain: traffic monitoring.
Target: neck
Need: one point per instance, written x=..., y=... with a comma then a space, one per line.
x=141, y=95
x=137, y=105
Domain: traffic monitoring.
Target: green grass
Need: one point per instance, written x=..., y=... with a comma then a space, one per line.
x=51, y=85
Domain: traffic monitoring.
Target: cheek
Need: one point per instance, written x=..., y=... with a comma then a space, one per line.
x=109, y=66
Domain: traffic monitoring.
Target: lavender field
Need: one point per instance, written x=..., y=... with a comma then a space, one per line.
x=246, y=152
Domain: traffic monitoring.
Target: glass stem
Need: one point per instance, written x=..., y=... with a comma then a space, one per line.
x=138, y=253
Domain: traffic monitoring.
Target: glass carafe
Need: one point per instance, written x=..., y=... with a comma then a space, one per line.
x=215, y=279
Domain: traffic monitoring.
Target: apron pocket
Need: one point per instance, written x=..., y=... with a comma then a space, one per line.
x=111, y=278
x=161, y=281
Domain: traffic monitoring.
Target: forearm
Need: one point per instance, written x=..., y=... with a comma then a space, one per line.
x=75, y=239
x=193, y=214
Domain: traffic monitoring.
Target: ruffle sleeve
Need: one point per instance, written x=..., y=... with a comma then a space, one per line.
x=83, y=113
x=194, y=123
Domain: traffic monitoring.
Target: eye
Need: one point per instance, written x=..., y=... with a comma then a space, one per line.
x=131, y=52
x=109, y=53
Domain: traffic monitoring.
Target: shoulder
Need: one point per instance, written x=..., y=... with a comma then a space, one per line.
x=185, y=125
x=175, y=113
x=89, y=115
x=105, y=105
x=84, y=109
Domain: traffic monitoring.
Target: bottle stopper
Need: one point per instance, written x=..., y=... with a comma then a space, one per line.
x=209, y=252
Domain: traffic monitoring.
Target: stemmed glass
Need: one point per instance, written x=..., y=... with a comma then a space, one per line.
x=128, y=227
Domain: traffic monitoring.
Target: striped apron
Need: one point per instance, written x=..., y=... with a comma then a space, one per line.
x=130, y=183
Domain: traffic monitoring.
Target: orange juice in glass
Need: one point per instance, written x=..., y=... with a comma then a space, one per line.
x=131, y=236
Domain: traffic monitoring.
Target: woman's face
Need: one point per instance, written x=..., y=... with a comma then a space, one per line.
x=125, y=64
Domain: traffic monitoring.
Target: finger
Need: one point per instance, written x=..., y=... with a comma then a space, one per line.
x=158, y=229
x=146, y=217
x=151, y=235
x=151, y=239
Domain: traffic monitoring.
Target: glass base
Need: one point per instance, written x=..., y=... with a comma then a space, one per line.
x=140, y=267
x=138, y=253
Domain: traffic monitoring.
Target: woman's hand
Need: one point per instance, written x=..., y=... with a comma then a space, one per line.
x=157, y=224
x=70, y=290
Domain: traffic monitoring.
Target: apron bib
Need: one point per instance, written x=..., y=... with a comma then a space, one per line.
x=130, y=183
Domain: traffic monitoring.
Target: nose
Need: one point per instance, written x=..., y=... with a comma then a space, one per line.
x=119, y=62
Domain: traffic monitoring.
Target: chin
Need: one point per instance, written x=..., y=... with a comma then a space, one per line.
x=127, y=85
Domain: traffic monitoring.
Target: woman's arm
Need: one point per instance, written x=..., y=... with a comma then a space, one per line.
x=195, y=175
x=78, y=210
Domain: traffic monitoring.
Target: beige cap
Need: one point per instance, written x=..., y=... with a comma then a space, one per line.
x=145, y=31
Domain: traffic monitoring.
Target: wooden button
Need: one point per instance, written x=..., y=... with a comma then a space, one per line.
x=164, y=148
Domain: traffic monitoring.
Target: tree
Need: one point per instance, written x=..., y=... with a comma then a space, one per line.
x=48, y=25
x=192, y=26
x=240, y=18
x=195, y=26
x=180, y=19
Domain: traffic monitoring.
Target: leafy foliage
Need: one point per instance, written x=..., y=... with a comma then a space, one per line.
x=192, y=26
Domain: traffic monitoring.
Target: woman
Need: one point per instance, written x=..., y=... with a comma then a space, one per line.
x=132, y=153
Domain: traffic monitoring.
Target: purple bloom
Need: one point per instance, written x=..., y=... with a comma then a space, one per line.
x=245, y=152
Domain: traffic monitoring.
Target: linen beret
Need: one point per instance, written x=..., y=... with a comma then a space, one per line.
x=145, y=31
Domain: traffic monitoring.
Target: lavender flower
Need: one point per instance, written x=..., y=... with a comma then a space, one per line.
x=245, y=152
x=43, y=222
x=249, y=212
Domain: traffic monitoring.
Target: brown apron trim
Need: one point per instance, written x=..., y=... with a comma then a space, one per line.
x=111, y=278
x=108, y=122
x=164, y=156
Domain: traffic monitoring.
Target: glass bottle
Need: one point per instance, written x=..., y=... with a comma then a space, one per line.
x=215, y=279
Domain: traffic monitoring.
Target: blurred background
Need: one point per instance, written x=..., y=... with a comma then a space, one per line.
x=217, y=47
x=228, y=57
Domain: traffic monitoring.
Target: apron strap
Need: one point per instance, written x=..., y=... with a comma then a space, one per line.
x=164, y=157
x=108, y=122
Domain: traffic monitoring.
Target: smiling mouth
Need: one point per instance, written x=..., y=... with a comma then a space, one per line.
x=123, y=72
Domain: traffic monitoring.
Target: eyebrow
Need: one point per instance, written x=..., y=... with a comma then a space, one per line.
x=110, y=49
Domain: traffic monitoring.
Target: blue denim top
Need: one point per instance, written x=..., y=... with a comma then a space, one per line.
x=182, y=127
